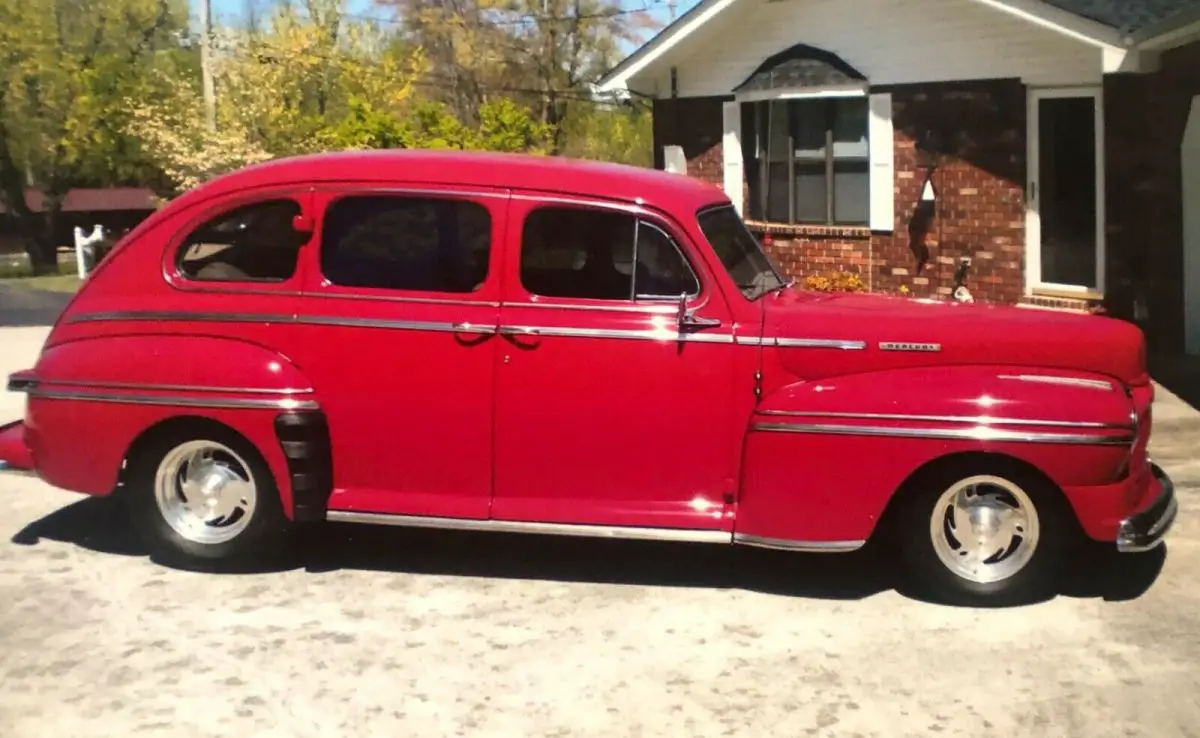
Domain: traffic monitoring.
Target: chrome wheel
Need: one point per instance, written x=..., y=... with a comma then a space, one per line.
x=205, y=492
x=984, y=529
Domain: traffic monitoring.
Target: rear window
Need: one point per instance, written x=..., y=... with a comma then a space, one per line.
x=252, y=243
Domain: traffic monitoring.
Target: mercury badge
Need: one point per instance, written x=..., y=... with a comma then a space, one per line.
x=906, y=346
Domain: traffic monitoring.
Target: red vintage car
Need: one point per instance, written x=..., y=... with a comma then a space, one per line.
x=511, y=343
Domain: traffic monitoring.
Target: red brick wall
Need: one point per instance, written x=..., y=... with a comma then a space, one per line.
x=1145, y=117
x=980, y=186
x=694, y=123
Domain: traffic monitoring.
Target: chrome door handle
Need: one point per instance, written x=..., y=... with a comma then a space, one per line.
x=519, y=330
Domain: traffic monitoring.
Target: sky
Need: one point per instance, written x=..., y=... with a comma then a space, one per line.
x=231, y=10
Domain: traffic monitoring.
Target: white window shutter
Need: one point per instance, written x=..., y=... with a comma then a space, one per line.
x=731, y=149
x=883, y=167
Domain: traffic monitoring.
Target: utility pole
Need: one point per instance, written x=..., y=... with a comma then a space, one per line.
x=210, y=101
x=671, y=5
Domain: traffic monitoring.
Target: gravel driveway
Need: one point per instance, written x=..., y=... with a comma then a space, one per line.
x=387, y=632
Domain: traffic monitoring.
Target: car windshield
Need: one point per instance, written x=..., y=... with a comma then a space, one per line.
x=741, y=255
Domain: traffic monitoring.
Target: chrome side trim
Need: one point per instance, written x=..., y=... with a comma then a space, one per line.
x=972, y=419
x=648, y=334
x=977, y=433
x=783, y=544
x=180, y=317
x=832, y=343
x=516, y=526
x=87, y=384
x=1096, y=384
x=232, y=403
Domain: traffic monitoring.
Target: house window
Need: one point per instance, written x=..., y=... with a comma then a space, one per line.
x=809, y=161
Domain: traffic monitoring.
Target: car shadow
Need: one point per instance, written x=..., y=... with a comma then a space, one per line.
x=100, y=524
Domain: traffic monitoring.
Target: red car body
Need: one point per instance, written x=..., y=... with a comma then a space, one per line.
x=787, y=419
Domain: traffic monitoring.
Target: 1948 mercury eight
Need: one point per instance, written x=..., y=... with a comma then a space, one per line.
x=532, y=344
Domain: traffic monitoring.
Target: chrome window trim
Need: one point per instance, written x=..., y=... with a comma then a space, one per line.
x=784, y=544
x=397, y=298
x=977, y=433
x=233, y=403
x=641, y=216
x=971, y=419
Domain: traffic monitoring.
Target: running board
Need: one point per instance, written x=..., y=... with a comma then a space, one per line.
x=681, y=535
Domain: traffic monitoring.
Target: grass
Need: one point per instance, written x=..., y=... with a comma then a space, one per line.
x=14, y=271
x=48, y=282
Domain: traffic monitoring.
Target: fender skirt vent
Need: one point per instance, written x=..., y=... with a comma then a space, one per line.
x=304, y=438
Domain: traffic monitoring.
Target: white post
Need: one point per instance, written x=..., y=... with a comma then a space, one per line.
x=80, y=266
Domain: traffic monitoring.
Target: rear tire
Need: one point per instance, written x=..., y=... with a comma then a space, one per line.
x=985, y=535
x=204, y=498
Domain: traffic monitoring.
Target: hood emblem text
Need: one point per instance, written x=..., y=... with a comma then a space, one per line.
x=906, y=346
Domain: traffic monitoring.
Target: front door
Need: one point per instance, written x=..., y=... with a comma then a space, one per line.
x=1065, y=223
x=396, y=331
x=605, y=413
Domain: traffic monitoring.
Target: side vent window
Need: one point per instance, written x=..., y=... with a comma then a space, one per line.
x=253, y=243
x=393, y=242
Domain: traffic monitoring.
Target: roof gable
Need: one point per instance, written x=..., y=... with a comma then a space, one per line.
x=1127, y=16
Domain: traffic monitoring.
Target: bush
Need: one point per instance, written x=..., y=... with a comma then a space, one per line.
x=839, y=281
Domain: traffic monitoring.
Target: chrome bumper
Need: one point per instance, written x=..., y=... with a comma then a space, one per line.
x=1145, y=530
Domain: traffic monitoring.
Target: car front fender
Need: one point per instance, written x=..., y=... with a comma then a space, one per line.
x=824, y=457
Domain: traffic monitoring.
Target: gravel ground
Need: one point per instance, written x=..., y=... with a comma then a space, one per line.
x=387, y=632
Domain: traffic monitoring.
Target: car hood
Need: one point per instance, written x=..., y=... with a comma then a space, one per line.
x=936, y=332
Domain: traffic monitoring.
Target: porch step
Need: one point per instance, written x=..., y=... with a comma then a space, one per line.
x=1062, y=304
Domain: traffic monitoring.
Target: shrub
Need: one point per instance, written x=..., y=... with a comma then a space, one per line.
x=839, y=281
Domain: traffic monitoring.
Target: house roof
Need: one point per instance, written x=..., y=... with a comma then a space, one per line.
x=93, y=200
x=1127, y=16
x=1102, y=22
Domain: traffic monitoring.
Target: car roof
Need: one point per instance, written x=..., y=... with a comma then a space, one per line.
x=553, y=174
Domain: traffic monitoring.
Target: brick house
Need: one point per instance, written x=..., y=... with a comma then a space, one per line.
x=1047, y=140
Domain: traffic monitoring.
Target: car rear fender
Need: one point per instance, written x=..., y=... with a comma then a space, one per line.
x=89, y=402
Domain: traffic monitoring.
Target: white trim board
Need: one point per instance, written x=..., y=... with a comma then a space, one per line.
x=1033, y=220
x=1109, y=40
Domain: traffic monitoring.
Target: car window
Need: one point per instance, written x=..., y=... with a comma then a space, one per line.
x=742, y=256
x=395, y=242
x=600, y=255
x=252, y=243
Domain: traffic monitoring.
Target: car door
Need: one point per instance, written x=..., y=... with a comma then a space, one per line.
x=396, y=330
x=606, y=413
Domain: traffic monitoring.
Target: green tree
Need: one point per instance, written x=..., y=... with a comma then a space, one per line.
x=65, y=65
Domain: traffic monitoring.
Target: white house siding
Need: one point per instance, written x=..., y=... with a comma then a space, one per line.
x=890, y=41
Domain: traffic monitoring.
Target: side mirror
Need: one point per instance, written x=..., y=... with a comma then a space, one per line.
x=687, y=318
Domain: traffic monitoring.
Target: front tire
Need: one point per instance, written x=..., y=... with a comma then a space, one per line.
x=991, y=535
x=204, y=498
